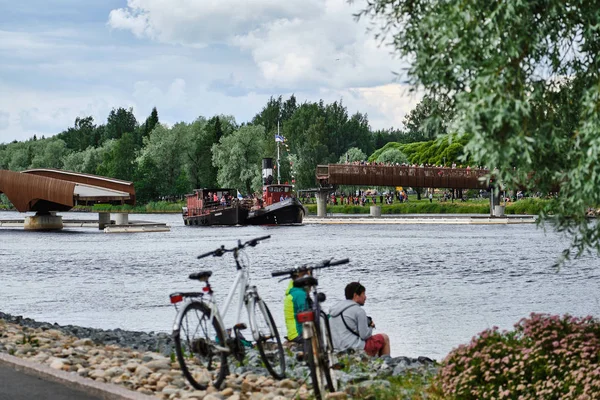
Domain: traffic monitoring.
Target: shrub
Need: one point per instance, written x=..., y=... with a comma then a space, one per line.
x=545, y=357
x=530, y=206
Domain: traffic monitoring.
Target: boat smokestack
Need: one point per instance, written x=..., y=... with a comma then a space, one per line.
x=267, y=171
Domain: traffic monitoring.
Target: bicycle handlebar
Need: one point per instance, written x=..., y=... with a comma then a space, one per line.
x=222, y=250
x=307, y=267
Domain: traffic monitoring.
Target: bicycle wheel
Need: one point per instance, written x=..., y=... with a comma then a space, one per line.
x=328, y=354
x=312, y=352
x=268, y=340
x=196, y=346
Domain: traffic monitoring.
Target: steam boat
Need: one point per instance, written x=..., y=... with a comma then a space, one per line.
x=278, y=206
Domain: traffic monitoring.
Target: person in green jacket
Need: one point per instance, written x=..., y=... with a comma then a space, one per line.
x=295, y=301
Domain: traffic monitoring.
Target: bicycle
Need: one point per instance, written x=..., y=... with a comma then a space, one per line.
x=318, y=345
x=198, y=333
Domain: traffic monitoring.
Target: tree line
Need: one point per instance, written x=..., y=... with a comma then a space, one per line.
x=169, y=161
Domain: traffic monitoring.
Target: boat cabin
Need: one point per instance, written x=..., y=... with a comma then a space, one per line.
x=205, y=199
x=275, y=193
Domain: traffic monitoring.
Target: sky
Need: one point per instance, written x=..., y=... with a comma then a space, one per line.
x=63, y=59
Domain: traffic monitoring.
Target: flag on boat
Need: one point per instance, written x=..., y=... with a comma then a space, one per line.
x=239, y=195
x=279, y=138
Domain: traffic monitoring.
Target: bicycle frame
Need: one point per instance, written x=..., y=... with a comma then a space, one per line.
x=307, y=331
x=246, y=292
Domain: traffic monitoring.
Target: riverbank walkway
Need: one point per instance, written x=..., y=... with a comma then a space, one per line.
x=421, y=219
x=24, y=380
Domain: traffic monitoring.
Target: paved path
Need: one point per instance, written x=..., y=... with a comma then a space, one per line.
x=25, y=380
x=15, y=385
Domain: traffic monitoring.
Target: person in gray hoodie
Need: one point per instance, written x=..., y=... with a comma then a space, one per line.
x=350, y=326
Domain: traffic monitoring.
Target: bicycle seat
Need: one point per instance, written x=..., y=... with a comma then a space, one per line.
x=202, y=276
x=306, y=281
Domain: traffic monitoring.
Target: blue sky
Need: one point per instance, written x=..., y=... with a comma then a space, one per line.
x=62, y=59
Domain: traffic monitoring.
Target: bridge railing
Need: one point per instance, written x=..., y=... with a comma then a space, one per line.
x=388, y=175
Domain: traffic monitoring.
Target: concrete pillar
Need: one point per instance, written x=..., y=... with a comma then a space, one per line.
x=375, y=211
x=122, y=219
x=43, y=222
x=494, y=201
x=103, y=220
x=321, y=204
x=499, y=211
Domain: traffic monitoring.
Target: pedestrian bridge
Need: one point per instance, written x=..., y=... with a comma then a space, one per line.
x=395, y=175
x=329, y=176
x=47, y=191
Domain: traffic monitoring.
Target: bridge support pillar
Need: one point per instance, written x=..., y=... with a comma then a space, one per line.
x=375, y=211
x=122, y=219
x=496, y=209
x=321, y=204
x=43, y=222
x=103, y=220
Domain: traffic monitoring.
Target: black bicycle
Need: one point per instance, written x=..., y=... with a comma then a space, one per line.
x=202, y=342
x=318, y=345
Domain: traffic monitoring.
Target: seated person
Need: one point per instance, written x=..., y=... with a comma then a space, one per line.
x=295, y=301
x=352, y=329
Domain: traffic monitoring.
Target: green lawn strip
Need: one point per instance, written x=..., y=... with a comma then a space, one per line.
x=521, y=207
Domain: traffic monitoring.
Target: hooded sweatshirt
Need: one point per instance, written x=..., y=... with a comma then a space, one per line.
x=356, y=319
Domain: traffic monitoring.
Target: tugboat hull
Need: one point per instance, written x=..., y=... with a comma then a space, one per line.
x=286, y=212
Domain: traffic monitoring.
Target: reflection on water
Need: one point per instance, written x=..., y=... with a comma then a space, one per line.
x=429, y=287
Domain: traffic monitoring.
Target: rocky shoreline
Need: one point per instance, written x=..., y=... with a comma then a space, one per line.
x=143, y=362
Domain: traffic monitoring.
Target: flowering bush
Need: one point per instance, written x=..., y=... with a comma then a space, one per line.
x=545, y=357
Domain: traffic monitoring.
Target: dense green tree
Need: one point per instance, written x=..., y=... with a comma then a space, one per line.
x=394, y=156
x=429, y=119
x=83, y=134
x=198, y=154
x=17, y=156
x=166, y=148
x=119, y=162
x=524, y=78
x=289, y=108
x=443, y=151
x=50, y=154
x=352, y=154
x=89, y=160
x=147, y=127
x=147, y=181
x=119, y=122
x=238, y=158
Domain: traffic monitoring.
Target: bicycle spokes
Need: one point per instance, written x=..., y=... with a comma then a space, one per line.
x=199, y=338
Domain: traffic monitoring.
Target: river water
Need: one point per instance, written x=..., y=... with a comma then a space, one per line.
x=429, y=287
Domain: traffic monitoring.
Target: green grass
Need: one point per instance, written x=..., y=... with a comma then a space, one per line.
x=159, y=207
x=479, y=206
x=413, y=386
x=414, y=206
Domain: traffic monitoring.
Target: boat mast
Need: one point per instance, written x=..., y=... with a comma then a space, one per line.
x=278, y=166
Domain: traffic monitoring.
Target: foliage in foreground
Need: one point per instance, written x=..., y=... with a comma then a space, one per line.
x=522, y=77
x=545, y=357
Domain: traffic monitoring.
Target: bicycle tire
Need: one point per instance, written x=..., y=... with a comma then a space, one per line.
x=312, y=353
x=194, y=345
x=269, y=342
x=328, y=354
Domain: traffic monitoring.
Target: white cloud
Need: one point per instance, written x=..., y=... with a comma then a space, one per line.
x=34, y=112
x=202, y=22
x=191, y=58
x=293, y=43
